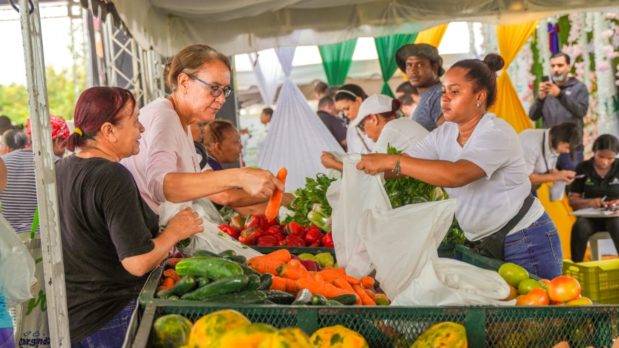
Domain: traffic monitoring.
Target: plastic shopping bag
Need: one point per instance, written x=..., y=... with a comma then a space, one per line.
x=401, y=245
x=17, y=271
x=211, y=239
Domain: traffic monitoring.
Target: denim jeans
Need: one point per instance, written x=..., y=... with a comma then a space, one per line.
x=112, y=334
x=6, y=338
x=536, y=248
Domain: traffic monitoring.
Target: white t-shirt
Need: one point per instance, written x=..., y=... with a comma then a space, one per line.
x=355, y=140
x=401, y=133
x=485, y=205
x=531, y=141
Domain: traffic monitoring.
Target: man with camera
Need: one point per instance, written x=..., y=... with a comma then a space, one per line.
x=562, y=99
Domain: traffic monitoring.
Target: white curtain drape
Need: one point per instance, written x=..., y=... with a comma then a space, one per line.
x=296, y=137
x=268, y=73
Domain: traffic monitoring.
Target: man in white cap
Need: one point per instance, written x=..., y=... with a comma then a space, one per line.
x=377, y=118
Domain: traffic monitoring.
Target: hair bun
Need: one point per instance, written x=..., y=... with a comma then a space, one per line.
x=395, y=105
x=494, y=61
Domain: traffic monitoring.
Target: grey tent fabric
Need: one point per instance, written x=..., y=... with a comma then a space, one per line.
x=245, y=26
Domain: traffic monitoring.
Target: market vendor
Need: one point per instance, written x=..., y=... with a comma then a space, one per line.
x=542, y=147
x=110, y=237
x=167, y=166
x=596, y=186
x=348, y=99
x=377, y=118
x=478, y=159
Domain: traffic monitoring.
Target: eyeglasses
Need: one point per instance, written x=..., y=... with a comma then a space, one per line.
x=216, y=90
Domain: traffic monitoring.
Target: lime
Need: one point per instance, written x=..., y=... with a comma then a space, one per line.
x=512, y=273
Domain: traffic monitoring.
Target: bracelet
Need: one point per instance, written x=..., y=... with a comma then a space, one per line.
x=397, y=169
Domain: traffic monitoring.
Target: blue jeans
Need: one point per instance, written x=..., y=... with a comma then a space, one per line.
x=6, y=338
x=112, y=334
x=536, y=248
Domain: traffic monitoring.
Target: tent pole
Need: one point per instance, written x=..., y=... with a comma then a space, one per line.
x=51, y=244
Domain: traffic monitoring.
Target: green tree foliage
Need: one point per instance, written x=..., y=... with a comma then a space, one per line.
x=62, y=93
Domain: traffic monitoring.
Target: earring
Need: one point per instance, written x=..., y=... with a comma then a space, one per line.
x=478, y=104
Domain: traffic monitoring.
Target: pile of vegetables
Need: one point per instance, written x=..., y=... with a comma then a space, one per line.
x=229, y=328
x=259, y=231
x=310, y=205
x=329, y=286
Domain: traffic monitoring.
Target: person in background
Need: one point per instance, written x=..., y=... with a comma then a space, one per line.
x=167, y=168
x=596, y=186
x=348, y=99
x=336, y=125
x=19, y=199
x=197, y=133
x=562, y=99
x=222, y=142
x=5, y=124
x=407, y=105
x=110, y=237
x=321, y=90
x=12, y=140
x=378, y=119
x=6, y=323
x=405, y=88
x=477, y=158
x=542, y=147
x=423, y=66
x=60, y=133
x=265, y=116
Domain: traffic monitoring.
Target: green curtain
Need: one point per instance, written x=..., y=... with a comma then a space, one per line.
x=336, y=60
x=387, y=46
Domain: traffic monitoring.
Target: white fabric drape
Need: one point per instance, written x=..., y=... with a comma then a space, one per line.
x=296, y=135
x=268, y=73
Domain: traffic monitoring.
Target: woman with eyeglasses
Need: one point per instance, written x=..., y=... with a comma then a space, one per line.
x=167, y=167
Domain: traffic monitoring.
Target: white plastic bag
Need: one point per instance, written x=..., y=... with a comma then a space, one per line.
x=211, y=239
x=16, y=266
x=401, y=245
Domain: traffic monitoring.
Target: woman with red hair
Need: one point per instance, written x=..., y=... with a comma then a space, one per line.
x=110, y=237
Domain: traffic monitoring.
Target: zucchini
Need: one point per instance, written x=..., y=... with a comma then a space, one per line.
x=240, y=259
x=165, y=293
x=253, y=282
x=218, y=287
x=208, y=267
x=303, y=297
x=346, y=299
x=280, y=297
x=227, y=253
x=318, y=300
x=184, y=285
x=243, y=297
x=265, y=281
x=248, y=270
x=204, y=253
x=203, y=281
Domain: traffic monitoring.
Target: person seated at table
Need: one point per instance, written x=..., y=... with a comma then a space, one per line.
x=596, y=186
x=222, y=142
x=110, y=237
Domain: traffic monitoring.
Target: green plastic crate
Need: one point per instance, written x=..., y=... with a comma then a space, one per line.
x=468, y=255
x=599, y=279
x=296, y=250
x=399, y=326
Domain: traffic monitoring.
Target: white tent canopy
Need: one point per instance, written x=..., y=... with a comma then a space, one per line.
x=244, y=26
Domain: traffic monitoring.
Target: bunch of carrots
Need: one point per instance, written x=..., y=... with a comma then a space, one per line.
x=291, y=276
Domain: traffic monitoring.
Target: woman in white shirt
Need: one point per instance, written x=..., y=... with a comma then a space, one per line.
x=478, y=159
x=348, y=100
x=378, y=119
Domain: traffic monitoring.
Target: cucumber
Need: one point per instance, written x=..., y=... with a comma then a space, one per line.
x=253, y=282
x=204, y=253
x=208, y=267
x=240, y=259
x=227, y=253
x=165, y=293
x=334, y=303
x=243, y=297
x=265, y=281
x=185, y=285
x=346, y=299
x=248, y=270
x=303, y=297
x=218, y=287
x=280, y=297
x=203, y=281
x=318, y=300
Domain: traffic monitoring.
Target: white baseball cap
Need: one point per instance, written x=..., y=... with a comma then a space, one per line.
x=374, y=104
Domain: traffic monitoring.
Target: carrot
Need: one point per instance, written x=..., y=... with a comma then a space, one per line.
x=371, y=294
x=366, y=300
x=329, y=274
x=270, y=262
x=343, y=284
x=331, y=291
x=282, y=255
x=310, y=284
x=292, y=286
x=171, y=273
x=368, y=282
x=272, y=209
x=352, y=280
x=278, y=283
x=292, y=271
x=168, y=283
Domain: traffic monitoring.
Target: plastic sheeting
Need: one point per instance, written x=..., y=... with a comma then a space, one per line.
x=268, y=73
x=296, y=135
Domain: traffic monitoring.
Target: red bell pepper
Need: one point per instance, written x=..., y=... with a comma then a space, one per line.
x=267, y=241
x=229, y=230
x=249, y=236
x=294, y=241
x=313, y=235
x=294, y=227
x=327, y=240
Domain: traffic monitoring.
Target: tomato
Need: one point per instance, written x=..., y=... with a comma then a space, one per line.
x=581, y=301
x=535, y=297
x=564, y=289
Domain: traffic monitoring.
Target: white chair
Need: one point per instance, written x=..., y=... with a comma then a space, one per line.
x=593, y=242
